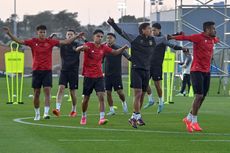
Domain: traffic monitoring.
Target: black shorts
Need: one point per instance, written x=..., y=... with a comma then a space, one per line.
x=93, y=83
x=139, y=79
x=69, y=77
x=41, y=78
x=200, y=82
x=156, y=73
x=113, y=81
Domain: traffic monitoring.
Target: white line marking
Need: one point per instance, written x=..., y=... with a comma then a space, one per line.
x=20, y=120
x=91, y=140
x=210, y=140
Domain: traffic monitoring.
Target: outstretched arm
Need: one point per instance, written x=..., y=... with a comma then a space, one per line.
x=193, y=38
x=126, y=55
x=9, y=33
x=176, y=47
x=119, y=50
x=81, y=48
x=68, y=41
x=125, y=35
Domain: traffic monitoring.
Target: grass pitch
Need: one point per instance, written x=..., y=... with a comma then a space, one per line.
x=163, y=133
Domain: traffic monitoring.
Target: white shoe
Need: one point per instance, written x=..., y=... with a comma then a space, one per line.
x=125, y=108
x=37, y=117
x=46, y=117
x=110, y=113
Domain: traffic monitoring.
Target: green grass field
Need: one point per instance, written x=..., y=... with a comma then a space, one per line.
x=163, y=133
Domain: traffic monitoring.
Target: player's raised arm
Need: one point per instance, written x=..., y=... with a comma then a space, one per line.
x=119, y=50
x=68, y=41
x=125, y=35
x=9, y=33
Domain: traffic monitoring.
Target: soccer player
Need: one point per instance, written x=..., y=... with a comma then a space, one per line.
x=113, y=77
x=42, y=64
x=69, y=73
x=94, y=53
x=142, y=47
x=156, y=66
x=203, y=44
x=186, y=66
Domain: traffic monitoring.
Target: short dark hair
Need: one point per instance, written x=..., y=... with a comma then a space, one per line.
x=98, y=31
x=143, y=26
x=111, y=34
x=208, y=24
x=41, y=27
x=71, y=30
x=157, y=25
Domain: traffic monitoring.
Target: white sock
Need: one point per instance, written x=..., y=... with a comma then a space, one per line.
x=58, y=106
x=161, y=102
x=111, y=109
x=37, y=111
x=74, y=108
x=135, y=115
x=102, y=115
x=124, y=104
x=194, y=119
x=46, y=110
x=84, y=114
x=150, y=97
x=189, y=116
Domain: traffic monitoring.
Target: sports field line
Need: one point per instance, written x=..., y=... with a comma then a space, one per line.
x=210, y=140
x=92, y=140
x=21, y=120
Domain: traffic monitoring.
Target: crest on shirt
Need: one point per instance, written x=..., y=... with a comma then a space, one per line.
x=142, y=41
x=205, y=40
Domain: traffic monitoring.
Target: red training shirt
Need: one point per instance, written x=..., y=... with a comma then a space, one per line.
x=202, y=50
x=41, y=52
x=92, y=65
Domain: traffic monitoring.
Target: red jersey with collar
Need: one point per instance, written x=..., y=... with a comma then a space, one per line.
x=41, y=52
x=92, y=65
x=202, y=50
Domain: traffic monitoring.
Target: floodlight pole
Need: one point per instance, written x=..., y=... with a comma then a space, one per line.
x=15, y=18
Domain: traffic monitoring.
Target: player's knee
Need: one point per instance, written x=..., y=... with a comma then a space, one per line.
x=199, y=96
x=37, y=93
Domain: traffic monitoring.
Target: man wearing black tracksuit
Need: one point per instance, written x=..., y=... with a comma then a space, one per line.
x=156, y=66
x=142, y=47
x=113, y=78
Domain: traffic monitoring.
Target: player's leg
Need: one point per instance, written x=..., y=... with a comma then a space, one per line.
x=150, y=98
x=61, y=88
x=47, y=84
x=73, y=86
x=137, y=78
x=87, y=90
x=36, y=85
x=191, y=119
x=60, y=93
x=183, y=86
x=73, y=112
x=84, y=107
x=110, y=102
x=118, y=87
x=149, y=91
x=108, y=87
x=159, y=92
x=47, y=93
x=123, y=101
x=36, y=101
x=100, y=91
